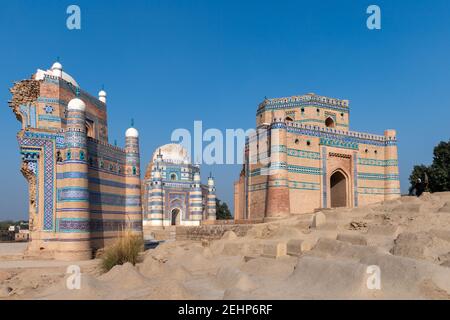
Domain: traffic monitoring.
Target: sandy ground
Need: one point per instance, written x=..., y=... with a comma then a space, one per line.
x=8, y=249
x=332, y=255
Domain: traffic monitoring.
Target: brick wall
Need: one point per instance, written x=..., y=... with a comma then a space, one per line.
x=210, y=232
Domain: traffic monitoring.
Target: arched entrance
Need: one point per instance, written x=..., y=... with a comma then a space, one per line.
x=175, y=216
x=329, y=122
x=338, y=189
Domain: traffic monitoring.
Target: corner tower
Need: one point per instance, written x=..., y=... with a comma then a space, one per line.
x=133, y=206
x=195, y=199
x=211, y=204
x=391, y=182
x=73, y=223
x=277, y=200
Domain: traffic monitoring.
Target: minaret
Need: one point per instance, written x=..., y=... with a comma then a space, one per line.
x=195, y=199
x=74, y=224
x=211, y=205
x=277, y=198
x=156, y=195
x=391, y=183
x=133, y=209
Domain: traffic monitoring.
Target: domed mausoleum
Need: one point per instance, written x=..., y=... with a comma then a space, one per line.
x=83, y=191
x=173, y=193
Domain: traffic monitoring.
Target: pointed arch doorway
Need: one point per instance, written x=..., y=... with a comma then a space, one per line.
x=338, y=189
x=175, y=217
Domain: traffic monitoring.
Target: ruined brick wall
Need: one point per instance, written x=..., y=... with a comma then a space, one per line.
x=210, y=232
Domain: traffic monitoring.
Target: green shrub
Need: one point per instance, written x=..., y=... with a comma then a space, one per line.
x=438, y=172
x=126, y=249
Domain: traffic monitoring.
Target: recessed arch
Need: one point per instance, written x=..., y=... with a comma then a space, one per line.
x=338, y=189
x=329, y=122
x=89, y=125
x=175, y=216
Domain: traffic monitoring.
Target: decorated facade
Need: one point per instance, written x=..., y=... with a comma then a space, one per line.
x=304, y=157
x=172, y=191
x=83, y=191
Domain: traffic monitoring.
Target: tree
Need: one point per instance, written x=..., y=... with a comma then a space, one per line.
x=4, y=225
x=439, y=171
x=222, y=210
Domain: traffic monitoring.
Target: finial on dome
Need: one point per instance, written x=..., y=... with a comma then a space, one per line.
x=77, y=91
x=132, y=122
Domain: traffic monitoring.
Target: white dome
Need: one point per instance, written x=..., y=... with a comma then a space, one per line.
x=69, y=78
x=56, y=66
x=173, y=152
x=132, y=132
x=102, y=96
x=76, y=104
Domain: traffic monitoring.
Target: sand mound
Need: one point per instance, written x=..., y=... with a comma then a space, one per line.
x=445, y=208
x=124, y=277
x=402, y=278
x=5, y=291
x=236, y=248
x=266, y=267
x=4, y=275
x=407, y=240
x=90, y=288
x=286, y=233
x=228, y=277
x=229, y=235
x=422, y=245
x=329, y=248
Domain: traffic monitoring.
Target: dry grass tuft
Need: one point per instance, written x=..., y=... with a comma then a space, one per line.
x=126, y=249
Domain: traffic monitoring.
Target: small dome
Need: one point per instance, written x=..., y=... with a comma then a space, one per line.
x=76, y=104
x=102, y=96
x=210, y=181
x=57, y=66
x=132, y=132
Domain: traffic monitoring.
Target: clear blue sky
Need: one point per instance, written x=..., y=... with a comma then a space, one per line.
x=167, y=63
